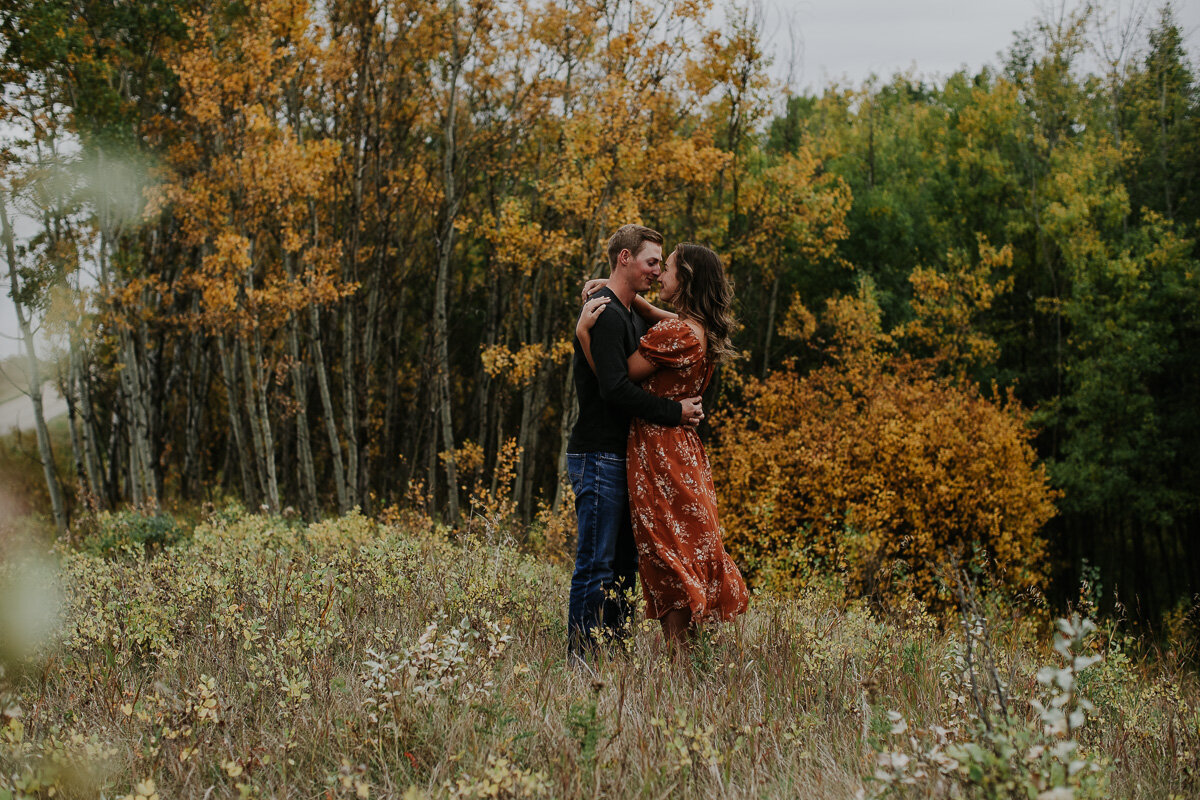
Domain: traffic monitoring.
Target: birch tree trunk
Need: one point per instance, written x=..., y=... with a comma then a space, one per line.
x=335, y=444
x=195, y=385
x=570, y=415
x=346, y=316
x=131, y=400
x=442, y=380
x=445, y=247
x=308, y=478
x=229, y=376
x=394, y=468
x=83, y=421
x=45, y=452
x=349, y=402
x=253, y=377
x=85, y=484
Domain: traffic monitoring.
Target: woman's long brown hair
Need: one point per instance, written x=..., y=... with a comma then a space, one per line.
x=705, y=295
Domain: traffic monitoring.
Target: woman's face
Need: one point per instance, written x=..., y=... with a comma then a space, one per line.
x=669, y=279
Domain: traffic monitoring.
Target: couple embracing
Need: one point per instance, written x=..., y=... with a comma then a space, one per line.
x=644, y=494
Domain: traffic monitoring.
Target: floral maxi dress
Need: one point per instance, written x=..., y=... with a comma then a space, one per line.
x=674, y=506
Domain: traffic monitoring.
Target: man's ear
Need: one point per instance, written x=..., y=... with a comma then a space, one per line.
x=623, y=257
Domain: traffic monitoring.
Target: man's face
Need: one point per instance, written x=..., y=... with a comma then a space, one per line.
x=644, y=268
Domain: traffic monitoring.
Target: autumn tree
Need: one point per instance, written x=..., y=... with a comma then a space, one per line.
x=243, y=185
x=28, y=289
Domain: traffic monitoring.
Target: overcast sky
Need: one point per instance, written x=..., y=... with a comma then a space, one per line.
x=848, y=40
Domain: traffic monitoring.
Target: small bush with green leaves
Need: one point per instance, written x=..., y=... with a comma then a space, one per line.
x=131, y=532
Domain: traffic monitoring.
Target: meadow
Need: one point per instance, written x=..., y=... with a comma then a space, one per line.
x=253, y=655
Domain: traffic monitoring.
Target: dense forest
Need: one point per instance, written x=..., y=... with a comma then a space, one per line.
x=328, y=255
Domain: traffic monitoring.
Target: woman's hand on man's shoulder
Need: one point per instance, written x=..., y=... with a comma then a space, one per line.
x=593, y=286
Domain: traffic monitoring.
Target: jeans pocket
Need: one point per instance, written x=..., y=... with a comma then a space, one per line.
x=575, y=467
x=610, y=482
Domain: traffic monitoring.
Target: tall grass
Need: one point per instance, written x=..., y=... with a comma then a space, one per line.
x=262, y=657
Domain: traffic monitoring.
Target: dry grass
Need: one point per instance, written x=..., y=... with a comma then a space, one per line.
x=268, y=658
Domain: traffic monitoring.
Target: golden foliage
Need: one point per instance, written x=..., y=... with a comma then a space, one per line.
x=880, y=469
x=946, y=304
x=521, y=242
x=520, y=366
x=793, y=203
x=855, y=324
x=552, y=535
x=493, y=506
x=243, y=184
x=798, y=323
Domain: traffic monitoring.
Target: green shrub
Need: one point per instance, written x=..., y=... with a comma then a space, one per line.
x=132, y=533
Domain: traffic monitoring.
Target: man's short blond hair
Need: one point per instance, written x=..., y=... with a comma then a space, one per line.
x=632, y=238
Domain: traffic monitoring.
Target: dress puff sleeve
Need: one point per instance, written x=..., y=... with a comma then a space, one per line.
x=671, y=344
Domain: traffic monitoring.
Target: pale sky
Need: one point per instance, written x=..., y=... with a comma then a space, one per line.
x=848, y=40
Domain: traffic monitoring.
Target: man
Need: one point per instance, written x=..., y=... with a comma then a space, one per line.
x=606, y=556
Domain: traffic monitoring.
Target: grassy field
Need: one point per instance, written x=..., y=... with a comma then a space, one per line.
x=261, y=657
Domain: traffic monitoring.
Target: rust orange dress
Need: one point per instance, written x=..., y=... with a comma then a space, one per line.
x=674, y=506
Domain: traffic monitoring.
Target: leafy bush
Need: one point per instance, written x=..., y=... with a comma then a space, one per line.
x=877, y=467
x=139, y=532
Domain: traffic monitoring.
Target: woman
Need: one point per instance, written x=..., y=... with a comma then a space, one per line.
x=687, y=577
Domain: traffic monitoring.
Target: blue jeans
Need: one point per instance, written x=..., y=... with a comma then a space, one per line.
x=606, y=556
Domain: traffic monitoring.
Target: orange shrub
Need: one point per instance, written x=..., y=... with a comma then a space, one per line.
x=881, y=470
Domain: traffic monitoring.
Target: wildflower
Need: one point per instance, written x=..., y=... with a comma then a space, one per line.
x=146, y=790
